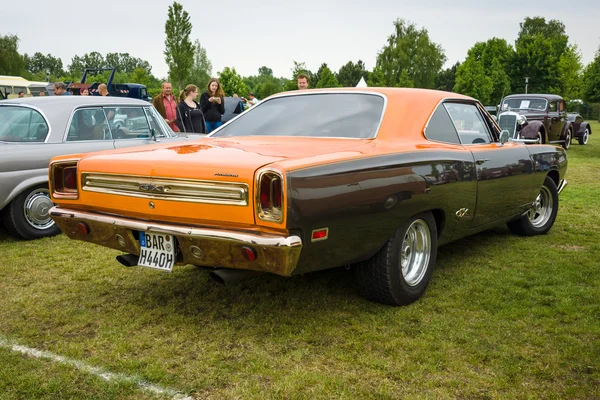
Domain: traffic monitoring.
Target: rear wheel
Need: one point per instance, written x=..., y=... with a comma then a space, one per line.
x=583, y=139
x=27, y=217
x=568, y=139
x=400, y=272
x=542, y=214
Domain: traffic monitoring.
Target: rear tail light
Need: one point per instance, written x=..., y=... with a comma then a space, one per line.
x=63, y=180
x=270, y=196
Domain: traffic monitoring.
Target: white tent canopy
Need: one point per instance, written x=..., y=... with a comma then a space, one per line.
x=362, y=83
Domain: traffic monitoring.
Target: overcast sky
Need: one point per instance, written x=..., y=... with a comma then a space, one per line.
x=247, y=34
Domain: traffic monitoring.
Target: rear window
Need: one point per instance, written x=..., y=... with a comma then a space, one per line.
x=342, y=115
x=22, y=124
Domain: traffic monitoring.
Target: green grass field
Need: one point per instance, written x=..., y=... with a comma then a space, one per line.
x=504, y=317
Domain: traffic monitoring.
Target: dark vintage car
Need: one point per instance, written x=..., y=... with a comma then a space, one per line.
x=33, y=130
x=582, y=130
x=541, y=117
x=304, y=181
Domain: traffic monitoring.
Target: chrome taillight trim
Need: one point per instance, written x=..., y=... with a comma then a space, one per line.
x=272, y=214
x=55, y=192
x=172, y=189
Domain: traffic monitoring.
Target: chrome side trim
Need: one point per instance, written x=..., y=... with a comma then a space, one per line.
x=562, y=185
x=188, y=190
x=211, y=247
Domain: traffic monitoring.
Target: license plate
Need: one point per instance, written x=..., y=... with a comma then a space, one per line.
x=157, y=251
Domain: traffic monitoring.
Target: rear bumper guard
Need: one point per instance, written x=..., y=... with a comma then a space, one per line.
x=209, y=247
x=562, y=185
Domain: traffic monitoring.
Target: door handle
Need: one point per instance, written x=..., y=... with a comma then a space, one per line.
x=481, y=161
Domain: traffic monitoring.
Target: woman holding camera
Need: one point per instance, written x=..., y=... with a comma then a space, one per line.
x=212, y=104
x=189, y=115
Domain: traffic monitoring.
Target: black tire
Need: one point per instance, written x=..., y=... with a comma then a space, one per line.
x=383, y=278
x=26, y=217
x=585, y=137
x=568, y=139
x=541, y=216
x=540, y=137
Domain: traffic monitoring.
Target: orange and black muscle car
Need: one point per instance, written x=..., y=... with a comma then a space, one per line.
x=376, y=178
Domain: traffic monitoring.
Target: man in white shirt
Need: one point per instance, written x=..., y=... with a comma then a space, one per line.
x=252, y=101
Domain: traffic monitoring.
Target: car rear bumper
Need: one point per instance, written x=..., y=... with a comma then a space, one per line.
x=210, y=247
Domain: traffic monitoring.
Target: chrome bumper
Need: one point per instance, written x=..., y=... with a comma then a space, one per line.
x=207, y=247
x=562, y=185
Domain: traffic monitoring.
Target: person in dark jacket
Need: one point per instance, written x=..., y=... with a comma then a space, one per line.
x=213, y=105
x=190, y=118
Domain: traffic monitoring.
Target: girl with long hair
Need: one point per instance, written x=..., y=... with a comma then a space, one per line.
x=212, y=103
x=190, y=117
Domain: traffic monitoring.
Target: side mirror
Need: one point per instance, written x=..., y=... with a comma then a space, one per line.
x=504, y=136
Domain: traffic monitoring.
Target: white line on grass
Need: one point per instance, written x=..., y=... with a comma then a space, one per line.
x=108, y=376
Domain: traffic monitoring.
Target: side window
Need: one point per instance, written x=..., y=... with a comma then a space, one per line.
x=128, y=122
x=157, y=122
x=23, y=125
x=469, y=123
x=552, y=106
x=89, y=124
x=561, y=106
x=440, y=127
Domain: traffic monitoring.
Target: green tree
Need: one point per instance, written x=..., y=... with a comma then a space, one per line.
x=472, y=80
x=376, y=78
x=232, y=82
x=202, y=67
x=591, y=80
x=123, y=62
x=179, y=50
x=446, y=79
x=265, y=71
x=88, y=60
x=39, y=64
x=570, y=72
x=327, y=78
x=410, y=58
x=349, y=74
x=538, y=47
x=11, y=62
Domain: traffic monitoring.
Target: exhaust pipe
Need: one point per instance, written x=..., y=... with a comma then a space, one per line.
x=128, y=260
x=226, y=275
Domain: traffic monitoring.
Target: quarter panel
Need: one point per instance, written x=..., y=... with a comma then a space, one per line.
x=362, y=202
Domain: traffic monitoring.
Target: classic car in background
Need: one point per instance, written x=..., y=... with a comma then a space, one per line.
x=33, y=130
x=582, y=130
x=542, y=117
x=304, y=181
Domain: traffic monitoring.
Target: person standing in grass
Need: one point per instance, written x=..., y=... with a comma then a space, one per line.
x=212, y=104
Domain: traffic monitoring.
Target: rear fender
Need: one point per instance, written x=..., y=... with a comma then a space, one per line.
x=563, y=134
x=22, y=186
x=582, y=128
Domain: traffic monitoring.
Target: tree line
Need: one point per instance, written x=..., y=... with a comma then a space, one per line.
x=541, y=53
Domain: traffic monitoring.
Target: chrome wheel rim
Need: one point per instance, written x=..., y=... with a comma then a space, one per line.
x=568, y=140
x=541, y=209
x=585, y=136
x=540, y=138
x=36, y=208
x=415, y=252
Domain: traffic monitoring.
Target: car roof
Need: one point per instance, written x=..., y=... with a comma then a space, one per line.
x=76, y=101
x=58, y=109
x=539, y=95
